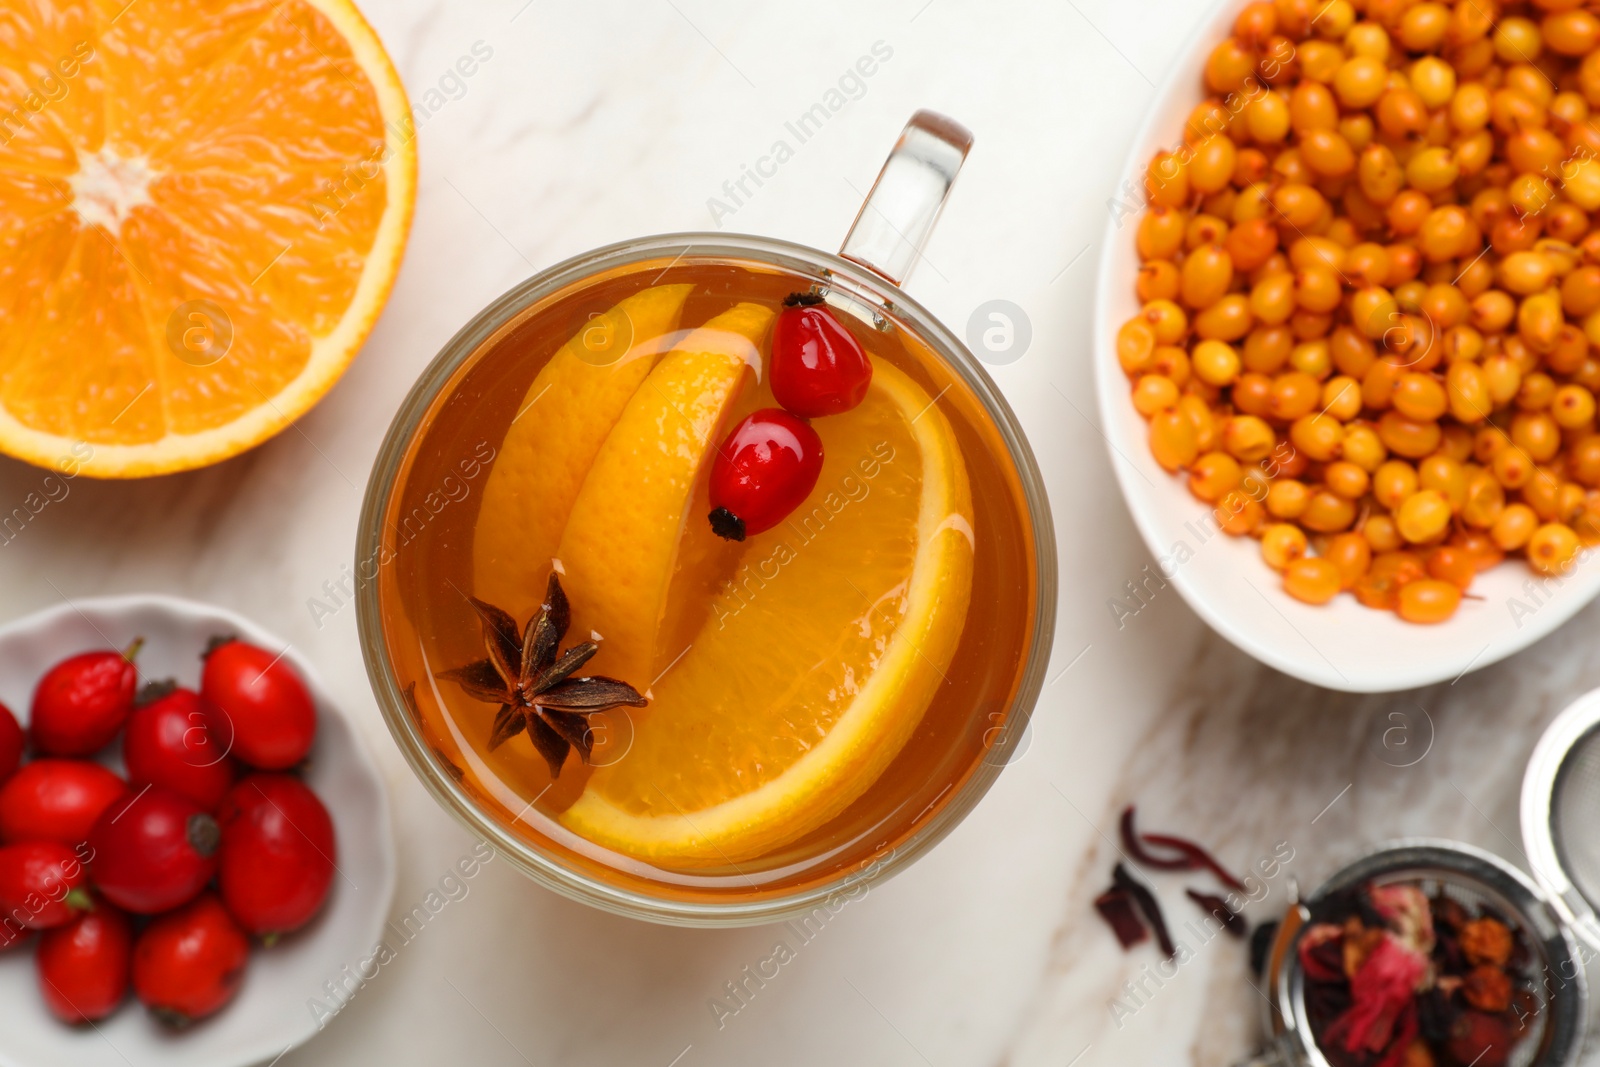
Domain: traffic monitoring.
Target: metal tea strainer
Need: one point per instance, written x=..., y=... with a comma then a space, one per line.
x=1557, y=910
x=1477, y=880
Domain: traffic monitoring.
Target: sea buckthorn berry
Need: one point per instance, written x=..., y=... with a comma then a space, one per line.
x=1312, y=580
x=1467, y=392
x=1153, y=394
x=1427, y=600
x=1552, y=548
x=1215, y=363
x=1570, y=33
x=1136, y=344
x=1328, y=512
x=1318, y=436
x=1341, y=397
x=1170, y=361
x=1167, y=320
x=1512, y=467
x=1346, y=479
x=1287, y=498
x=1239, y=514
x=1158, y=280
x=1572, y=407
x=1434, y=81
x=1311, y=358
x=1266, y=349
x=1173, y=440
x=1362, y=446
x=1381, y=533
x=1248, y=439
x=1480, y=546
x=1213, y=476
x=1424, y=516
x=1449, y=563
x=1205, y=276
x=1229, y=319
x=1294, y=394
x=1351, y=554
x=1299, y=205
x=1446, y=476
x=1404, y=436
x=1537, y=434
x=1205, y=423
x=1432, y=170
x=1514, y=527
x=1161, y=233
x=1420, y=397
x=1211, y=163
x=1485, y=500
x=1583, y=460
x=1393, y=482
x=1526, y=272
x=1281, y=544
x=1517, y=40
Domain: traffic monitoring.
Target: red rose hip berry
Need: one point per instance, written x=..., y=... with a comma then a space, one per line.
x=767, y=466
x=169, y=744
x=278, y=853
x=11, y=742
x=85, y=965
x=256, y=706
x=82, y=702
x=56, y=800
x=817, y=367
x=41, y=885
x=154, y=852
x=189, y=963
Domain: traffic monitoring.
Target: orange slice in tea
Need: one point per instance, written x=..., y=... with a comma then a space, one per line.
x=817, y=661
x=202, y=211
x=633, y=530
x=566, y=415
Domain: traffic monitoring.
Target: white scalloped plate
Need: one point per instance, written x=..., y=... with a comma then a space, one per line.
x=273, y=1011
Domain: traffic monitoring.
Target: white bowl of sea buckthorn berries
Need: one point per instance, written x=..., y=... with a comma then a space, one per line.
x=1348, y=317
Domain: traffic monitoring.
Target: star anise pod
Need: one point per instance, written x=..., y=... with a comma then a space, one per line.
x=534, y=685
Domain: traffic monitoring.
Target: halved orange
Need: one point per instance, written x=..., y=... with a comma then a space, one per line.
x=818, y=659
x=202, y=211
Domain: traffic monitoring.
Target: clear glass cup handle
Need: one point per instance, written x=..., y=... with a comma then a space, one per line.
x=898, y=214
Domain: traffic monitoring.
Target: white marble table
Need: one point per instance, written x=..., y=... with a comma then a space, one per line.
x=595, y=122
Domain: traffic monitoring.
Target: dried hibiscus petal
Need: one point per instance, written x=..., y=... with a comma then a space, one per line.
x=1116, y=907
x=1148, y=905
x=1218, y=909
x=1134, y=847
x=1383, y=989
x=1189, y=856
x=1322, y=953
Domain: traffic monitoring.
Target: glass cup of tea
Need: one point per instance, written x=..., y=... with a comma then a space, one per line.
x=709, y=577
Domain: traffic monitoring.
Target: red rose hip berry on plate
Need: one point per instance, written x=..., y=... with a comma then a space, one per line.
x=278, y=853
x=189, y=963
x=11, y=742
x=168, y=743
x=256, y=706
x=85, y=965
x=818, y=367
x=41, y=885
x=56, y=800
x=82, y=702
x=767, y=466
x=153, y=852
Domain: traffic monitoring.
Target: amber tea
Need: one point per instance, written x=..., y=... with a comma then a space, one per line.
x=680, y=636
